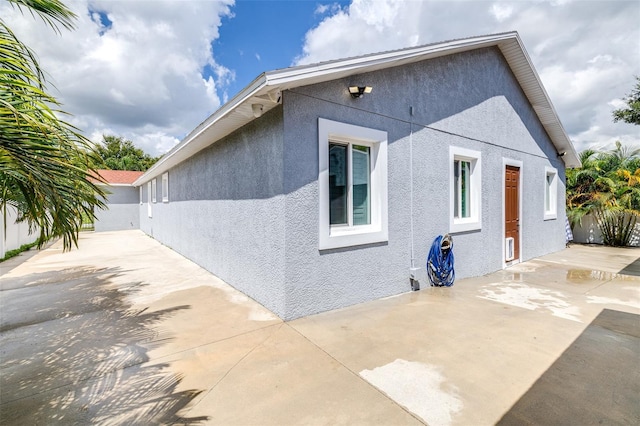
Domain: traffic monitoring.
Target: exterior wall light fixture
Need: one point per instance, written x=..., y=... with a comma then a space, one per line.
x=357, y=91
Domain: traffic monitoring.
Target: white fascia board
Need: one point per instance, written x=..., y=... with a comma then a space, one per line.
x=115, y=184
x=526, y=74
x=303, y=75
x=308, y=74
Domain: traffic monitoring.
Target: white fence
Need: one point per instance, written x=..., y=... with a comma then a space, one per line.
x=15, y=234
x=588, y=232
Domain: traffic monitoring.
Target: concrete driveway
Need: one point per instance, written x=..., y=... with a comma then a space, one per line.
x=125, y=331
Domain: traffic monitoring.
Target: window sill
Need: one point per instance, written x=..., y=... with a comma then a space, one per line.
x=550, y=216
x=465, y=226
x=351, y=237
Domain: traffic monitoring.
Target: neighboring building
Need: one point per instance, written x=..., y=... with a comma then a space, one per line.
x=14, y=234
x=309, y=199
x=122, y=201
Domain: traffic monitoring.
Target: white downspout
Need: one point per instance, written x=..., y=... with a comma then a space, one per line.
x=415, y=285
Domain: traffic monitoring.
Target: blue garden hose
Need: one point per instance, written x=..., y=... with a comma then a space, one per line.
x=440, y=262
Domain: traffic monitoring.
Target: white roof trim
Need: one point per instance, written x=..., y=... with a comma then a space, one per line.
x=114, y=184
x=237, y=112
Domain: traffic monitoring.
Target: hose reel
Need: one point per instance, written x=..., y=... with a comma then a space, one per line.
x=440, y=262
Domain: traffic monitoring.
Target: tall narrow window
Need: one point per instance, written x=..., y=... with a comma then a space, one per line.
x=149, y=209
x=349, y=184
x=550, y=193
x=361, y=186
x=465, y=190
x=462, y=189
x=153, y=191
x=165, y=187
x=338, y=185
x=352, y=183
x=547, y=193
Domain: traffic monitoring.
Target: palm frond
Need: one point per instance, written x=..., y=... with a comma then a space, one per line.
x=52, y=12
x=45, y=162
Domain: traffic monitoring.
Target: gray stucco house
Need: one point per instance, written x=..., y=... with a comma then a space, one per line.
x=122, y=200
x=308, y=197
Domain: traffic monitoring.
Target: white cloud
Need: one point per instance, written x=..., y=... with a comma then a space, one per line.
x=366, y=26
x=586, y=52
x=134, y=69
x=501, y=11
x=332, y=8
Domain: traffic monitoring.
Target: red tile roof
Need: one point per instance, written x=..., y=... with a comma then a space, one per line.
x=122, y=177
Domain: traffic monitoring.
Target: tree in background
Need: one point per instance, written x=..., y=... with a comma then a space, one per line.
x=44, y=161
x=607, y=186
x=630, y=114
x=119, y=154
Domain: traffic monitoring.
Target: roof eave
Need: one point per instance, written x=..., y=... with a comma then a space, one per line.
x=187, y=147
x=261, y=90
x=524, y=71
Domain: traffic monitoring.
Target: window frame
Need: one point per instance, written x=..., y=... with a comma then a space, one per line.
x=165, y=187
x=336, y=236
x=141, y=195
x=550, y=190
x=149, y=209
x=474, y=221
x=154, y=191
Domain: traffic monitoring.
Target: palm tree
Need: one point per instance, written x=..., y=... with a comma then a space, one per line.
x=44, y=161
x=607, y=186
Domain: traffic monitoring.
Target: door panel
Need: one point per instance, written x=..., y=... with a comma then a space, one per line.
x=512, y=207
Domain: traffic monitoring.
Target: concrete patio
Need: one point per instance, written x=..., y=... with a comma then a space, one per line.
x=126, y=331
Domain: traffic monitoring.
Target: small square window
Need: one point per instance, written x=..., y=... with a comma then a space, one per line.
x=465, y=190
x=165, y=187
x=550, y=193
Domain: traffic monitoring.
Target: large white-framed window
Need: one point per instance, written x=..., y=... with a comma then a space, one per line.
x=154, y=190
x=465, y=189
x=165, y=187
x=352, y=180
x=550, y=193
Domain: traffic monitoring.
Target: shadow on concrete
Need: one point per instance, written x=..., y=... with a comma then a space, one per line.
x=73, y=351
x=632, y=269
x=595, y=381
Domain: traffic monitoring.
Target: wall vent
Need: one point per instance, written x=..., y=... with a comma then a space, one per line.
x=508, y=248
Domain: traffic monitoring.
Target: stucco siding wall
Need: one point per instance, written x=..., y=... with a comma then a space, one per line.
x=123, y=194
x=226, y=210
x=246, y=208
x=117, y=218
x=470, y=101
x=122, y=210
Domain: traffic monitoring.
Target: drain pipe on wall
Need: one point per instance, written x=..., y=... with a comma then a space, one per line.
x=413, y=272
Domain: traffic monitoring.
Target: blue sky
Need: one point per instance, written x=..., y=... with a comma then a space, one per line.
x=263, y=36
x=151, y=71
